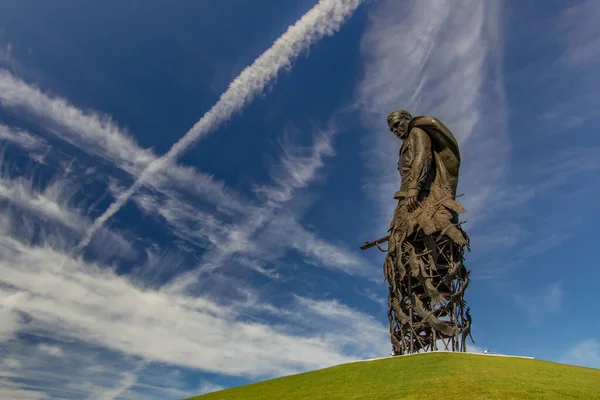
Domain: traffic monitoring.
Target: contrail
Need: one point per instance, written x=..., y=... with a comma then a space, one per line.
x=324, y=19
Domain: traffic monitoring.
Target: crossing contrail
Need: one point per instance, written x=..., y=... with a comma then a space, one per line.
x=324, y=19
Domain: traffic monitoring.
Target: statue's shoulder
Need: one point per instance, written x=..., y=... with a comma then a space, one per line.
x=428, y=118
x=427, y=121
x=437, y=131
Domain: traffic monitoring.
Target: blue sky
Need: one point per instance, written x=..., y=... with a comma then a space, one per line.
x=184, y=185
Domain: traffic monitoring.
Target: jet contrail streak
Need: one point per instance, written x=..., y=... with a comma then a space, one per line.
x=324, y=19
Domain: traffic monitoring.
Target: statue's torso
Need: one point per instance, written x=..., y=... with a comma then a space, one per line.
x=405, y=165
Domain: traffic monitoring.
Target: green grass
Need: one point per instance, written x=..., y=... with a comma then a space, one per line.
x=444, y=376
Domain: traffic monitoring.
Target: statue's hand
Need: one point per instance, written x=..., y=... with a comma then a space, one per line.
x=412, y=199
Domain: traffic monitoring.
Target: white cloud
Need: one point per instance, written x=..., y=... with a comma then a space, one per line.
x=128, y=379
x=15, y=391
x=585, y=353
x=98, y=135
x=297, y=167
x=21, y=138
x=354, y=331
x=55, y=206
x=580, y=34
x=318, y=250
x=66, y=298
x=190, y=223
x=546, y=302
x=78, y=370
x=50, y=203
x=267, y=231
x=565, y=105
x=55, y=351
x=502, y=236
x=9, y=322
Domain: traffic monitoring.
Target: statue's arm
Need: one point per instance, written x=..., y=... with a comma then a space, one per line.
x=422, y=158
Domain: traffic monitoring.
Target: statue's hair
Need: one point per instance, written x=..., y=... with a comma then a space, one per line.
x=395, y=116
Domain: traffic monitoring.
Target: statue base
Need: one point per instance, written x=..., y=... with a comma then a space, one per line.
x=427, y=309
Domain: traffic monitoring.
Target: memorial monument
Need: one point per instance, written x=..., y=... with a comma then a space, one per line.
x=424, y=264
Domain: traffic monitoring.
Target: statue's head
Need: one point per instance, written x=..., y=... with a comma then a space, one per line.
x=398, y=123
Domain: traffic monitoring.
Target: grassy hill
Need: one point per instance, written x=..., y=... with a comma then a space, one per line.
x=438, y=376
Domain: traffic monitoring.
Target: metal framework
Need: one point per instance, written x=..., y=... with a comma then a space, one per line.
x=427, y=310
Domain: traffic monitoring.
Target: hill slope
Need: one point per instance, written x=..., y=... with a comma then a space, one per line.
x=429, y=376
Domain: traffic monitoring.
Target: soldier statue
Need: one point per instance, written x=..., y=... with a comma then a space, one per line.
x=424, y=261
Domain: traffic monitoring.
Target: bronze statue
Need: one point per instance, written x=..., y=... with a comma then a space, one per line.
x=424, y=262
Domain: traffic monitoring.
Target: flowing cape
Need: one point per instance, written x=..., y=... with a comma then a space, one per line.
x=446, y=154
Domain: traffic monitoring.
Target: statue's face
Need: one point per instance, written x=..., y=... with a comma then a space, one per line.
x=400, y=127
